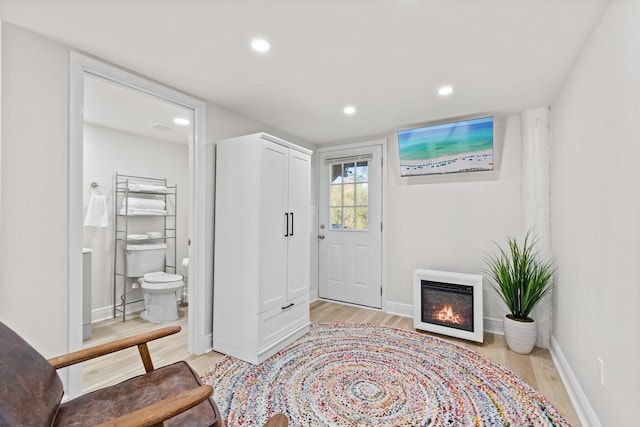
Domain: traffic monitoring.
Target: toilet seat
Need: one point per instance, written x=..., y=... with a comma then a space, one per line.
x=159, y=280
x=161, y=277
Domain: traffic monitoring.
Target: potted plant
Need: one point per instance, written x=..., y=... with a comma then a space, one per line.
x=521, y=279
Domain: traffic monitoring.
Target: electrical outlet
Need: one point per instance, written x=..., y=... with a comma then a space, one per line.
x=600, y=370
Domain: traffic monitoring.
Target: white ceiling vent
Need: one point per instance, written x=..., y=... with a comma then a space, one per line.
x=161, y=126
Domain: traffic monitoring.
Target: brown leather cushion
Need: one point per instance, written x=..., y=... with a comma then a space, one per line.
x=30, y=390
x=110, y=402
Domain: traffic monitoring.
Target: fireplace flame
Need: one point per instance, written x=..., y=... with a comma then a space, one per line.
x=447, y=315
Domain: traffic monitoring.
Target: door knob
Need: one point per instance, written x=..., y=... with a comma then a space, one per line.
x=320, y=236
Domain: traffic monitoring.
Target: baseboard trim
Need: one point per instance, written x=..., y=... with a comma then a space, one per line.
x=494, y=326
x=350, y=304
x=581, y=404
x=208, y=343
x=313, y=295
x=104, y=313
x=399, y=309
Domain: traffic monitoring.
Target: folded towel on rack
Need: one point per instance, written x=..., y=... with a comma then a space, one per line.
x=140, y=203
x=137, y=237
x=151, y=188
x=139, y=211
x=97, y=214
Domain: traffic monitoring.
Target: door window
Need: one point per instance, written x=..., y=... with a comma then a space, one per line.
x=349, y=196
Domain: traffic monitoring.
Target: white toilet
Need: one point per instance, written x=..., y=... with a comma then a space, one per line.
x=146, y=263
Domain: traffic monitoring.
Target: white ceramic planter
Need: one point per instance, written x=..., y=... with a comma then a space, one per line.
x=520, y=336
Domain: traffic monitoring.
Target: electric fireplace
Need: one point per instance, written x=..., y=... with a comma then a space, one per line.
x=448, y=303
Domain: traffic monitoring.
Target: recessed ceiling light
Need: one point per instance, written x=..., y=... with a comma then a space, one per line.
x=445, y=90
x=349, y=110
x=181, y=121
x=260, y=45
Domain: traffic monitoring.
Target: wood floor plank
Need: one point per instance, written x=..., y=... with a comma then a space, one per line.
x=548, y=379
x=536, y=368
x=521, y=365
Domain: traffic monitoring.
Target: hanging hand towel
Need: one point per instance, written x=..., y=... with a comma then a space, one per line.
x=97, y=215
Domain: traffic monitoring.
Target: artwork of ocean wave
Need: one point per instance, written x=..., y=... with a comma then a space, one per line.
x=451, y=147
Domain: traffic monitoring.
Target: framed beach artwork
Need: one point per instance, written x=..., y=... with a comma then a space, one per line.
x=462, y=146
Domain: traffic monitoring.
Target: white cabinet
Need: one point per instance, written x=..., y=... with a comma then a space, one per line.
x=262, y=243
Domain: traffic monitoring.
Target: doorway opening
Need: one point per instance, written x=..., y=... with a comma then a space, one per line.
x=350, y=224
x=97, y=175
x=132, y=134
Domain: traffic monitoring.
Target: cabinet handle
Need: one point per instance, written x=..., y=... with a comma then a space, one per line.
x=291, y=224
x=287, y=221
x=287, y=306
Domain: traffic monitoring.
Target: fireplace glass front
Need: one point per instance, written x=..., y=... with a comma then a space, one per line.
x=447, y=304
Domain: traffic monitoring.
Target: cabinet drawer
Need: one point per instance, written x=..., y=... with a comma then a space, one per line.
x=277, y=323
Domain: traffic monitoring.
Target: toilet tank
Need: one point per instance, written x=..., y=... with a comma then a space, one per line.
x=143, y=259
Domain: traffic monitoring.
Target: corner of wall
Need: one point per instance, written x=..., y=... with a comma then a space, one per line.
x=578, y=398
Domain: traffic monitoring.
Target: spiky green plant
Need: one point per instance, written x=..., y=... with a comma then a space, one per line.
x=519, y=276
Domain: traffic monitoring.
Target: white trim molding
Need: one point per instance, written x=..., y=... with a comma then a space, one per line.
x=491, y=325
x=106, y=313
x=581, y=404
x=313, y=295
x=79, y=65
x=1, y=23
x=208, y=343
x=494, y=326
x=382, y=143
x=536, y=196
x=399, y=309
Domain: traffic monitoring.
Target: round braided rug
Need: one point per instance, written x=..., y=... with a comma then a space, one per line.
x=347, y=374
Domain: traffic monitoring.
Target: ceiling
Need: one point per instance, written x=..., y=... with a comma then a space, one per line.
x=385, y=57
x=118, y=107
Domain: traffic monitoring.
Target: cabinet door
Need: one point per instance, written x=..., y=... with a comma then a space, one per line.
x=273, y=226
x=298, y=251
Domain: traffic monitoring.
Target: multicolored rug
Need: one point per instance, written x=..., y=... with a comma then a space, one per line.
x=347, y=374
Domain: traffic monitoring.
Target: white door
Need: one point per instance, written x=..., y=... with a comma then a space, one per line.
x=274, y=222
x=298, y=229
x=350, y=225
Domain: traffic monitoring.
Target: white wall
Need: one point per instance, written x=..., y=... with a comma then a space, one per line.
x=34, y=210
x=448, y=222
x=107, y=151
x=595, y=215
x=33, y=244
x=437, y=222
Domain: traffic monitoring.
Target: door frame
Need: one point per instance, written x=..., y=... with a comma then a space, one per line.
x=79, y=65
x=383, y=200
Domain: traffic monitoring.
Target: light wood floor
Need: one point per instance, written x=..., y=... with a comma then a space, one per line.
x=536, y=368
